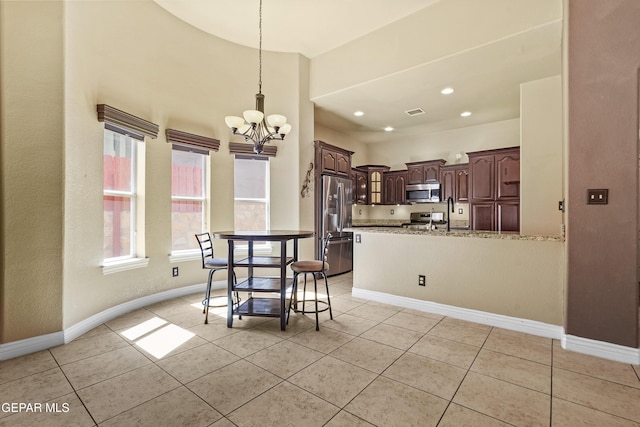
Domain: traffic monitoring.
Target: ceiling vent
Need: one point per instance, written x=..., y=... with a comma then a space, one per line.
x=414, y=112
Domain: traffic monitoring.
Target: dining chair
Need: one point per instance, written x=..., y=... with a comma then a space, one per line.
x=213, y=264
x=315, y=268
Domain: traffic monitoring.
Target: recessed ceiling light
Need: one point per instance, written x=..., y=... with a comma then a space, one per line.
x=358, y=113
x=388, y=128
x=465, y=114
x=447, y=91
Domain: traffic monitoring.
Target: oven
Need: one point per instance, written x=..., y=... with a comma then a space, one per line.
x=426, y=221
x=423, y=193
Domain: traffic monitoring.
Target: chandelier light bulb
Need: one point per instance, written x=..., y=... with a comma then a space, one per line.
x=285, y=129
x=276, y=120
x=234, y=122
x=253, y=116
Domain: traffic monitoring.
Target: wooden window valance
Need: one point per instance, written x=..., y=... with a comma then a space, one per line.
x=240, y=148
x=122, y=122
x=190, y=140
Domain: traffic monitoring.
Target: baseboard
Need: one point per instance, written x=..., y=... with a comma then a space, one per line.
x=30, y=345
x=581, y=345
x=43, y=342
x=513, y=323
x=605, y=350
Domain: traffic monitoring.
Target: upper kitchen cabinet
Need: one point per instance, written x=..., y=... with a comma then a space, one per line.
x=332, y=160
x=360, y=186
x=394, y=187
x=454, y=182
x=375, y=175
x=483, y=177
x=495, y=189
x=508, y=174
x=421, y=172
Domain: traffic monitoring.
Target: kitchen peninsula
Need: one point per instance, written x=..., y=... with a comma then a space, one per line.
x=504, y=279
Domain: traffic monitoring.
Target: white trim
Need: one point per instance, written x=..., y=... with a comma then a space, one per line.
x=601, y=349
x=186, y=255
x=30, y=345
x=43, y=342
x=124, y=265
x=605, y=350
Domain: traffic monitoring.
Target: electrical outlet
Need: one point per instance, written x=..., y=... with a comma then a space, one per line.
x=391, y=211
x=358, y=238
x=422, y=280
x=175, y=272
x=460, y=211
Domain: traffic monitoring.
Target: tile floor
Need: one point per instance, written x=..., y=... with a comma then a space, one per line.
x=374, y=364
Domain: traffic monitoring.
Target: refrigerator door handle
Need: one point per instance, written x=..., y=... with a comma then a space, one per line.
x=340, y=202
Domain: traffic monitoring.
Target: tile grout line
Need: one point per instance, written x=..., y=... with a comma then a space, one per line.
x=74, y=389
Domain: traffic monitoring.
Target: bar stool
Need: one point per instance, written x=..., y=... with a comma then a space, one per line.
x=315, y=268
x=213, y=264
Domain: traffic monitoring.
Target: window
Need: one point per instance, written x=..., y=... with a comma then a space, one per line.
x=251, y=195
x=119, y=196
x=188, y=198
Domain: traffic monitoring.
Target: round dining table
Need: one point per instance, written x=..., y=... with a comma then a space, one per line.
x=260, y=290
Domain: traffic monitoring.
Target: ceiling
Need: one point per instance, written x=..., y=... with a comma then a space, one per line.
x=486, y=79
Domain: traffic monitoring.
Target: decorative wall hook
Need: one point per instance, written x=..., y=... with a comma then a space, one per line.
x=307, y=185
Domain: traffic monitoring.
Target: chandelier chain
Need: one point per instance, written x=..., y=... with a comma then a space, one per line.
x=255, y=126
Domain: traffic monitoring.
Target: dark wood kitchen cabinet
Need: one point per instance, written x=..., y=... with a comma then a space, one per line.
x=360, y=186
x=375, y=176
x=454, y=182
x=508, y=175
x=332, y=160
x=482, y=216
x=394, y=188
x=421, y=172
x=483, y=178
x=494, y=189
x=508, y=216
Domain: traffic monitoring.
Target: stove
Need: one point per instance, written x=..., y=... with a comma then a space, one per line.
x=425, y=220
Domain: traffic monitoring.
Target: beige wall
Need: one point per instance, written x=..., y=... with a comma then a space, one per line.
x=337, y=138
x=59, y=60
x=178, y=77
x=541, y=151
x=446, y=144
x=31, y=173
x=518, y=278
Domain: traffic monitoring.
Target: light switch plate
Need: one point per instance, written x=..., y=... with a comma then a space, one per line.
x=597, y=196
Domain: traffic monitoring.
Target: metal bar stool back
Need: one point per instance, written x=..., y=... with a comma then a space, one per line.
x=213, y=264
x=315, y=268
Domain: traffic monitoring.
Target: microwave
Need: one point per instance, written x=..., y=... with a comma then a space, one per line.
x=423, y=193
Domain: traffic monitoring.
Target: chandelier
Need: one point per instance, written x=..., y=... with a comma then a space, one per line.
x=253, y=126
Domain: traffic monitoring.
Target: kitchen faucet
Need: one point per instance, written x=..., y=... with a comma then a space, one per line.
x=449, y=199
x=431, y=220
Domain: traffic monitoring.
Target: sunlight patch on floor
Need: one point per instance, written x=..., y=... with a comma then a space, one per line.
x=165, y=340
x=143, y=328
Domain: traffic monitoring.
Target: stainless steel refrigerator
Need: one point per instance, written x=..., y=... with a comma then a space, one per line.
x=335, y=216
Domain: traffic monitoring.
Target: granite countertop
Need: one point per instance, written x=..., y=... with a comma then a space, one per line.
x=457, y=224
x=458, y=233
x=379, y=222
